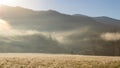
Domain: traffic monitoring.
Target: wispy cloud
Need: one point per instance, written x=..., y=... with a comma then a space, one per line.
x=7, y=30
x=111, y=36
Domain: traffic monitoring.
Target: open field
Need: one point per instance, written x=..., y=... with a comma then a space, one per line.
x=57, y=61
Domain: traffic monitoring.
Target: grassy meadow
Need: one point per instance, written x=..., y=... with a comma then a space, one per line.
x=57, y=61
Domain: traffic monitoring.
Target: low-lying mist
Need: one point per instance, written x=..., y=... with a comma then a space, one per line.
x=83, y=40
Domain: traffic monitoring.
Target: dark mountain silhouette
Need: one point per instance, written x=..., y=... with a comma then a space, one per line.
x=46, y=20
x=54, y=32
x=108, y=21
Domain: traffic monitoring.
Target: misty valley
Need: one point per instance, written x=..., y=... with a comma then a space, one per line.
x=25, y=30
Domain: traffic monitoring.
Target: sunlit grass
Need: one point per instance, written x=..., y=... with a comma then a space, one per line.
x=57, y=61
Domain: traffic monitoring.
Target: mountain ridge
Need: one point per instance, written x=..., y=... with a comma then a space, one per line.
x=52, y=11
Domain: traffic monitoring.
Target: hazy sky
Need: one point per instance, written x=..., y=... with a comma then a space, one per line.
x=87, y=7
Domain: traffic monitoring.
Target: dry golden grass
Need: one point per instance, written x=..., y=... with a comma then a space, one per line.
x=57, y=61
